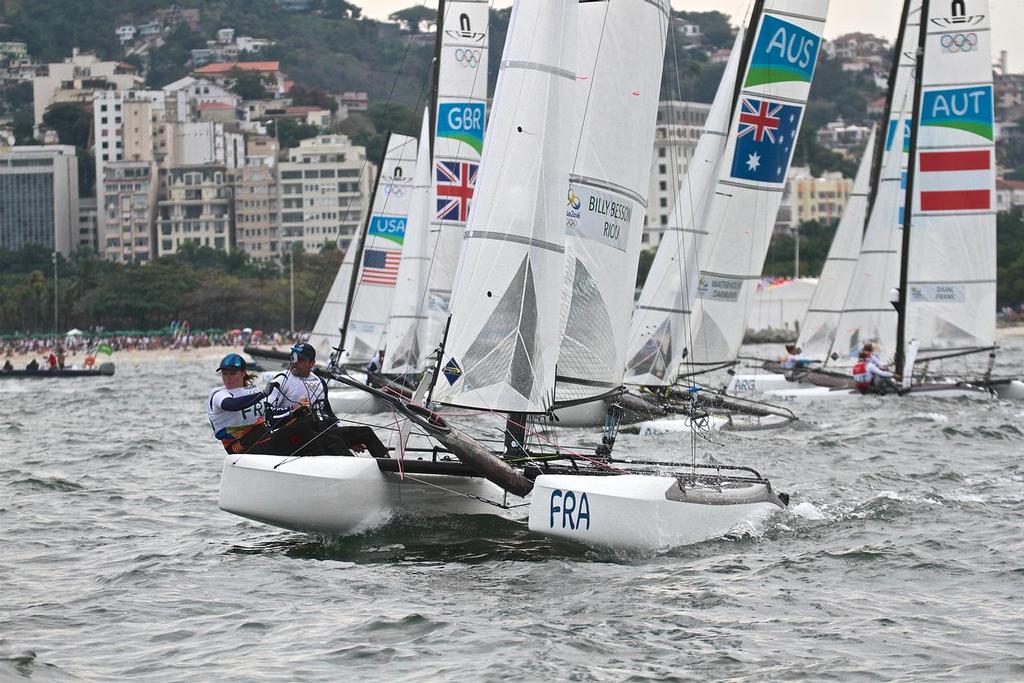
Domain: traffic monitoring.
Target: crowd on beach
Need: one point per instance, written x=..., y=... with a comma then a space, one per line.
x=90, y=343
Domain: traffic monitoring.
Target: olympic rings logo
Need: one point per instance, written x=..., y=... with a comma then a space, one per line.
x=959, y=42
x=467, y=57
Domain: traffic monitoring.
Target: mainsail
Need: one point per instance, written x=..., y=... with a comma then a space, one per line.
x=764, y=130
x=360, y=295
x=868, y=313
x=949, y=285
x=658, y=335
x=502, y=343
x=404, y=351
x=621, y=49
x=822, y=319
x=460, y=115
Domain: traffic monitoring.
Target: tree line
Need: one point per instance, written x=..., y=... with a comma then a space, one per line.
x=208, y=288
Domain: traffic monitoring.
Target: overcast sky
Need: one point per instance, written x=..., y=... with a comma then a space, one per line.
x=881, y=17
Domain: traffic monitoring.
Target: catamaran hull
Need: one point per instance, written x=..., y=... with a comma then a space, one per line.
x=759, y=383
x=733, y=422
x=640, y=512
x=339, y=496
x=926, y=391
x=1009, y=390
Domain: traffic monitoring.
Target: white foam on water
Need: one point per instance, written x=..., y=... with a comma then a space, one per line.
x=808, y=511
x=934, y=417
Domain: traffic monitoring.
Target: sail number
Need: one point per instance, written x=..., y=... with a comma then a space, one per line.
x=570, y=510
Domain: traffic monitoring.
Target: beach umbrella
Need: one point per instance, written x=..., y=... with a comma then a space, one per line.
x=236, y=331
x=73, y=332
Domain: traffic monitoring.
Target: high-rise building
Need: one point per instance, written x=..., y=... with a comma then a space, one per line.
x=197, y=207
x=325, y=190
x=39, y=197
x=127, y=126
x=810, y=198
x=257, y=212
x=88, y=225
x=129, y=203
x=675, y=138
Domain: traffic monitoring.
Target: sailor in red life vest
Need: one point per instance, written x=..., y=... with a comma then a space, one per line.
x=869, y=378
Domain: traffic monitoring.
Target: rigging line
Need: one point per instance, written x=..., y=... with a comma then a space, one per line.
x=362, y=169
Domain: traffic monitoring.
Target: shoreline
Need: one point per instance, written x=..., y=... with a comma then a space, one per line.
x=19, y=360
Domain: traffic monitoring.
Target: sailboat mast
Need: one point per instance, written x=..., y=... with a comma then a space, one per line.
x=435, y=89
x=748, y=47
x=915, y=123
x=876, y=167
x=357, y=262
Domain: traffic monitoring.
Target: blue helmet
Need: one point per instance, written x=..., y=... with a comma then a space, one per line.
x=232, y=361
x=304, y=351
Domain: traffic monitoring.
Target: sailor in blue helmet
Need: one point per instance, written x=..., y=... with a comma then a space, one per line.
x=236, y=409
x=300, y=413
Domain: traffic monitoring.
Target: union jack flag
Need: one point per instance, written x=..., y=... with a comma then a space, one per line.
x=455, y=183
x=761, y=118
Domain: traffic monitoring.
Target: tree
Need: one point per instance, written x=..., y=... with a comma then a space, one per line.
x=413, y=16
x=169, y=62
x=248, y=85
x=312, y=97
x=290, y=131
x=71, y=122
x=714, y=27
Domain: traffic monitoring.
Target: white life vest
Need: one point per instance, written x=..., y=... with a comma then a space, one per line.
x=228, y=419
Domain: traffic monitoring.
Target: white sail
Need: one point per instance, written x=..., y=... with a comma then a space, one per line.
x=868, y=313
x=822, y=319
x=381, y=251
x=658, y=334
x=765, y=125
x=327, y=330
x=502, y=343
x=403, y=350
x=951, y=274
x=458, y=143
x=621, y=52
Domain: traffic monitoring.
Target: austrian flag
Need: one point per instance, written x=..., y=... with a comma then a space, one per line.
x=955, y=180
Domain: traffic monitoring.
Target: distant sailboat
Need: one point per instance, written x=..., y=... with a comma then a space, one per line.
x=946, y=291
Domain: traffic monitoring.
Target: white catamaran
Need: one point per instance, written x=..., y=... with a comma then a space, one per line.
x=503, y=341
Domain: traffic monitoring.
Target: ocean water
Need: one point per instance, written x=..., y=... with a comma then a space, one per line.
x=901, y=558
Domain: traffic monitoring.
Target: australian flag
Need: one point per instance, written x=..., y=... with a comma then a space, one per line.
x=765, y=140
x=455, y=183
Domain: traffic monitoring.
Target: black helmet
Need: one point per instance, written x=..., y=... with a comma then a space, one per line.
x=303, y=350
x=232, y=361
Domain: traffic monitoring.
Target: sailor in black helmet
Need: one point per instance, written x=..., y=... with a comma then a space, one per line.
x=298, y=408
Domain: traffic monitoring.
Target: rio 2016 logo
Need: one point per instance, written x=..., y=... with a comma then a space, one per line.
x=574, y=200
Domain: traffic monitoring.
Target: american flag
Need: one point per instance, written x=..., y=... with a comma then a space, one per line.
x=455, y=181
x=380, y=266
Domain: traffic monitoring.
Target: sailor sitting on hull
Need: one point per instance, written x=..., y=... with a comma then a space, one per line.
x=869, y=378
x=236, y=409
x=301, y=416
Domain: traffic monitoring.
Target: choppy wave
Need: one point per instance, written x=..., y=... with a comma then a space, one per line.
x=906, y=525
